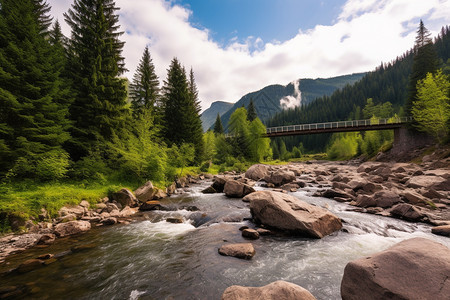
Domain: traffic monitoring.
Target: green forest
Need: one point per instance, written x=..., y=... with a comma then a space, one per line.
x=72, y=128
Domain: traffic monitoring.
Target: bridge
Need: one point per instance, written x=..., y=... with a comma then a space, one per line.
x=341, y=126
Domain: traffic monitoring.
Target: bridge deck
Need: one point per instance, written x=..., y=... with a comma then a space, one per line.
x=342, y=126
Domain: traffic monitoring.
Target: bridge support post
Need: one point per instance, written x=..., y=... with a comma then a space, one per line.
x=406, y=140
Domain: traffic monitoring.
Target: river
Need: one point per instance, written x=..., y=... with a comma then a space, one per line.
x=154, y=259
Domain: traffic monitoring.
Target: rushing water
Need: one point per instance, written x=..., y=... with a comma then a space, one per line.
x=154, y=259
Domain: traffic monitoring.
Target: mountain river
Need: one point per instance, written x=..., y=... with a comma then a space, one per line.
x=155, y=259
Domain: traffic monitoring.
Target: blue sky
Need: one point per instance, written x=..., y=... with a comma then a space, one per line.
x=239, y=46
x=270, y=20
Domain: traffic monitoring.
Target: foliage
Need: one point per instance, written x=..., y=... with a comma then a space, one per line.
x=209, y=141
x=95, y=62
x=218, y=127
x=343, y=146
x=259, y=146
x=251, y=111
x=431, y=110
x=144, y=89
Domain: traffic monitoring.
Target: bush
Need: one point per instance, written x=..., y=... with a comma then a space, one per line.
x=205, y=166
x=90, y=167
x=52, y=165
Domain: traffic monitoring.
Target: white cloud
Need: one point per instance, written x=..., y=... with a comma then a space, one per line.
x=365, y=33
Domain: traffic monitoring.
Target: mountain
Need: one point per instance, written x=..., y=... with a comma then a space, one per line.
x=209, y=116
x=388, y=82
x=274, y=98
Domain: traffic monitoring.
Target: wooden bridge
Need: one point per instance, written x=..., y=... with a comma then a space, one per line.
x=341, y=126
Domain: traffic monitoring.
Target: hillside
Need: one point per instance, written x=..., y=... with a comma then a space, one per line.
x=273, y=99
x=209, y=116
x=389, y=82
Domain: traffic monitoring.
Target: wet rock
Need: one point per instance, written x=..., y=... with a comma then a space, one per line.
x=340, y=185
x=145, y=193
x=172, y=189
x=150, y=205
x=291, y=187
x=243, y=227
x=45, y=256
x=127, y=212
x=72, y=227
x=250, y=234
x=209, y=190
x=365, y=201
x=413, y=197
x=240, y=250
x=357, y=184
x=278, y=290
x=371, y=187
x=110, y=207
x=263, y=231
x=290, y=214
x=257, y=172
x=280, y=177
x=407, y=212
x=413, y=269
x=333, y=193
x=29, y=265
x=66, y=218
x=236, y=189
x=441, y=230
x=386, y=199
x=433, y=194
x=46, y=239
x=219, y=183
x=159, y=194
x=125, y=197
x=175, y=220
x=109, y=221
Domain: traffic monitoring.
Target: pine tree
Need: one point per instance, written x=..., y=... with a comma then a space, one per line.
x=31, y=113
x=251, y=111
x=196, y=130
x=144, y=89
x=218, y=127
x=95, y=62
x=425, y=61
x=180, y=118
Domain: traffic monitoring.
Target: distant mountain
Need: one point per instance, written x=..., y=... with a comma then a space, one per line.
x=209, y=116
x=274, y=98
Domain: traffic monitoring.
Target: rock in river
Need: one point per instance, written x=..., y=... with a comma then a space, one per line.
x=257, y=172
x=290, y=214
x=417, y=268
x=240, y=250
x=236, y=189
x=278, y=290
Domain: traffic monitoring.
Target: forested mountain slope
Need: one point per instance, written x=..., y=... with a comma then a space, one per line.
x=389, y=82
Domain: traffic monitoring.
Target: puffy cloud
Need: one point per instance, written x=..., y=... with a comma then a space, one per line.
x=365, y=33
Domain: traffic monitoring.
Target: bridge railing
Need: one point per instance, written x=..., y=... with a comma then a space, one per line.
x=339, y=124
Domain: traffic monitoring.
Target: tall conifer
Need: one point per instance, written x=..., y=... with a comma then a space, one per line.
x=251, y=111
x=425, y=61
x=144, y=89
x=218, y=127
x=32, y=118
x=95, y=62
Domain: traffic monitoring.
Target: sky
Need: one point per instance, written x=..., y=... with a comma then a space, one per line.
x=239, y=46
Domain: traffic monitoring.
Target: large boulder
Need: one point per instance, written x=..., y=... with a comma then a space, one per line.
x=236, y=189
x=386, y=199
x=219, y=183
x=257, y=172
x=146, y=192
x=240, y=250
x=125, y=197
x=407, y=211
x=73, y=227
x=417, y=268
x=280, y=177
x=285, y=212
x=278, y=290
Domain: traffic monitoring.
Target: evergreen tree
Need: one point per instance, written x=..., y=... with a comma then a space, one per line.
x=42, y=9
x=144, y=89
x=95, y=62
x=251, y=111
x=425, y=61
x=180, y=110
x=218, y=127
x=31, y=113
x=196, y=129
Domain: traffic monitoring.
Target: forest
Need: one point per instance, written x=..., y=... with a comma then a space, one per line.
x=71, y=127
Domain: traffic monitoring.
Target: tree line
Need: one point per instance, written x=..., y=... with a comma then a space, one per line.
x=394, y=82
x=66, y=110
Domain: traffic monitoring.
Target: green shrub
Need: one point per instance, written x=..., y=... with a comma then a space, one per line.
x=91, y=168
